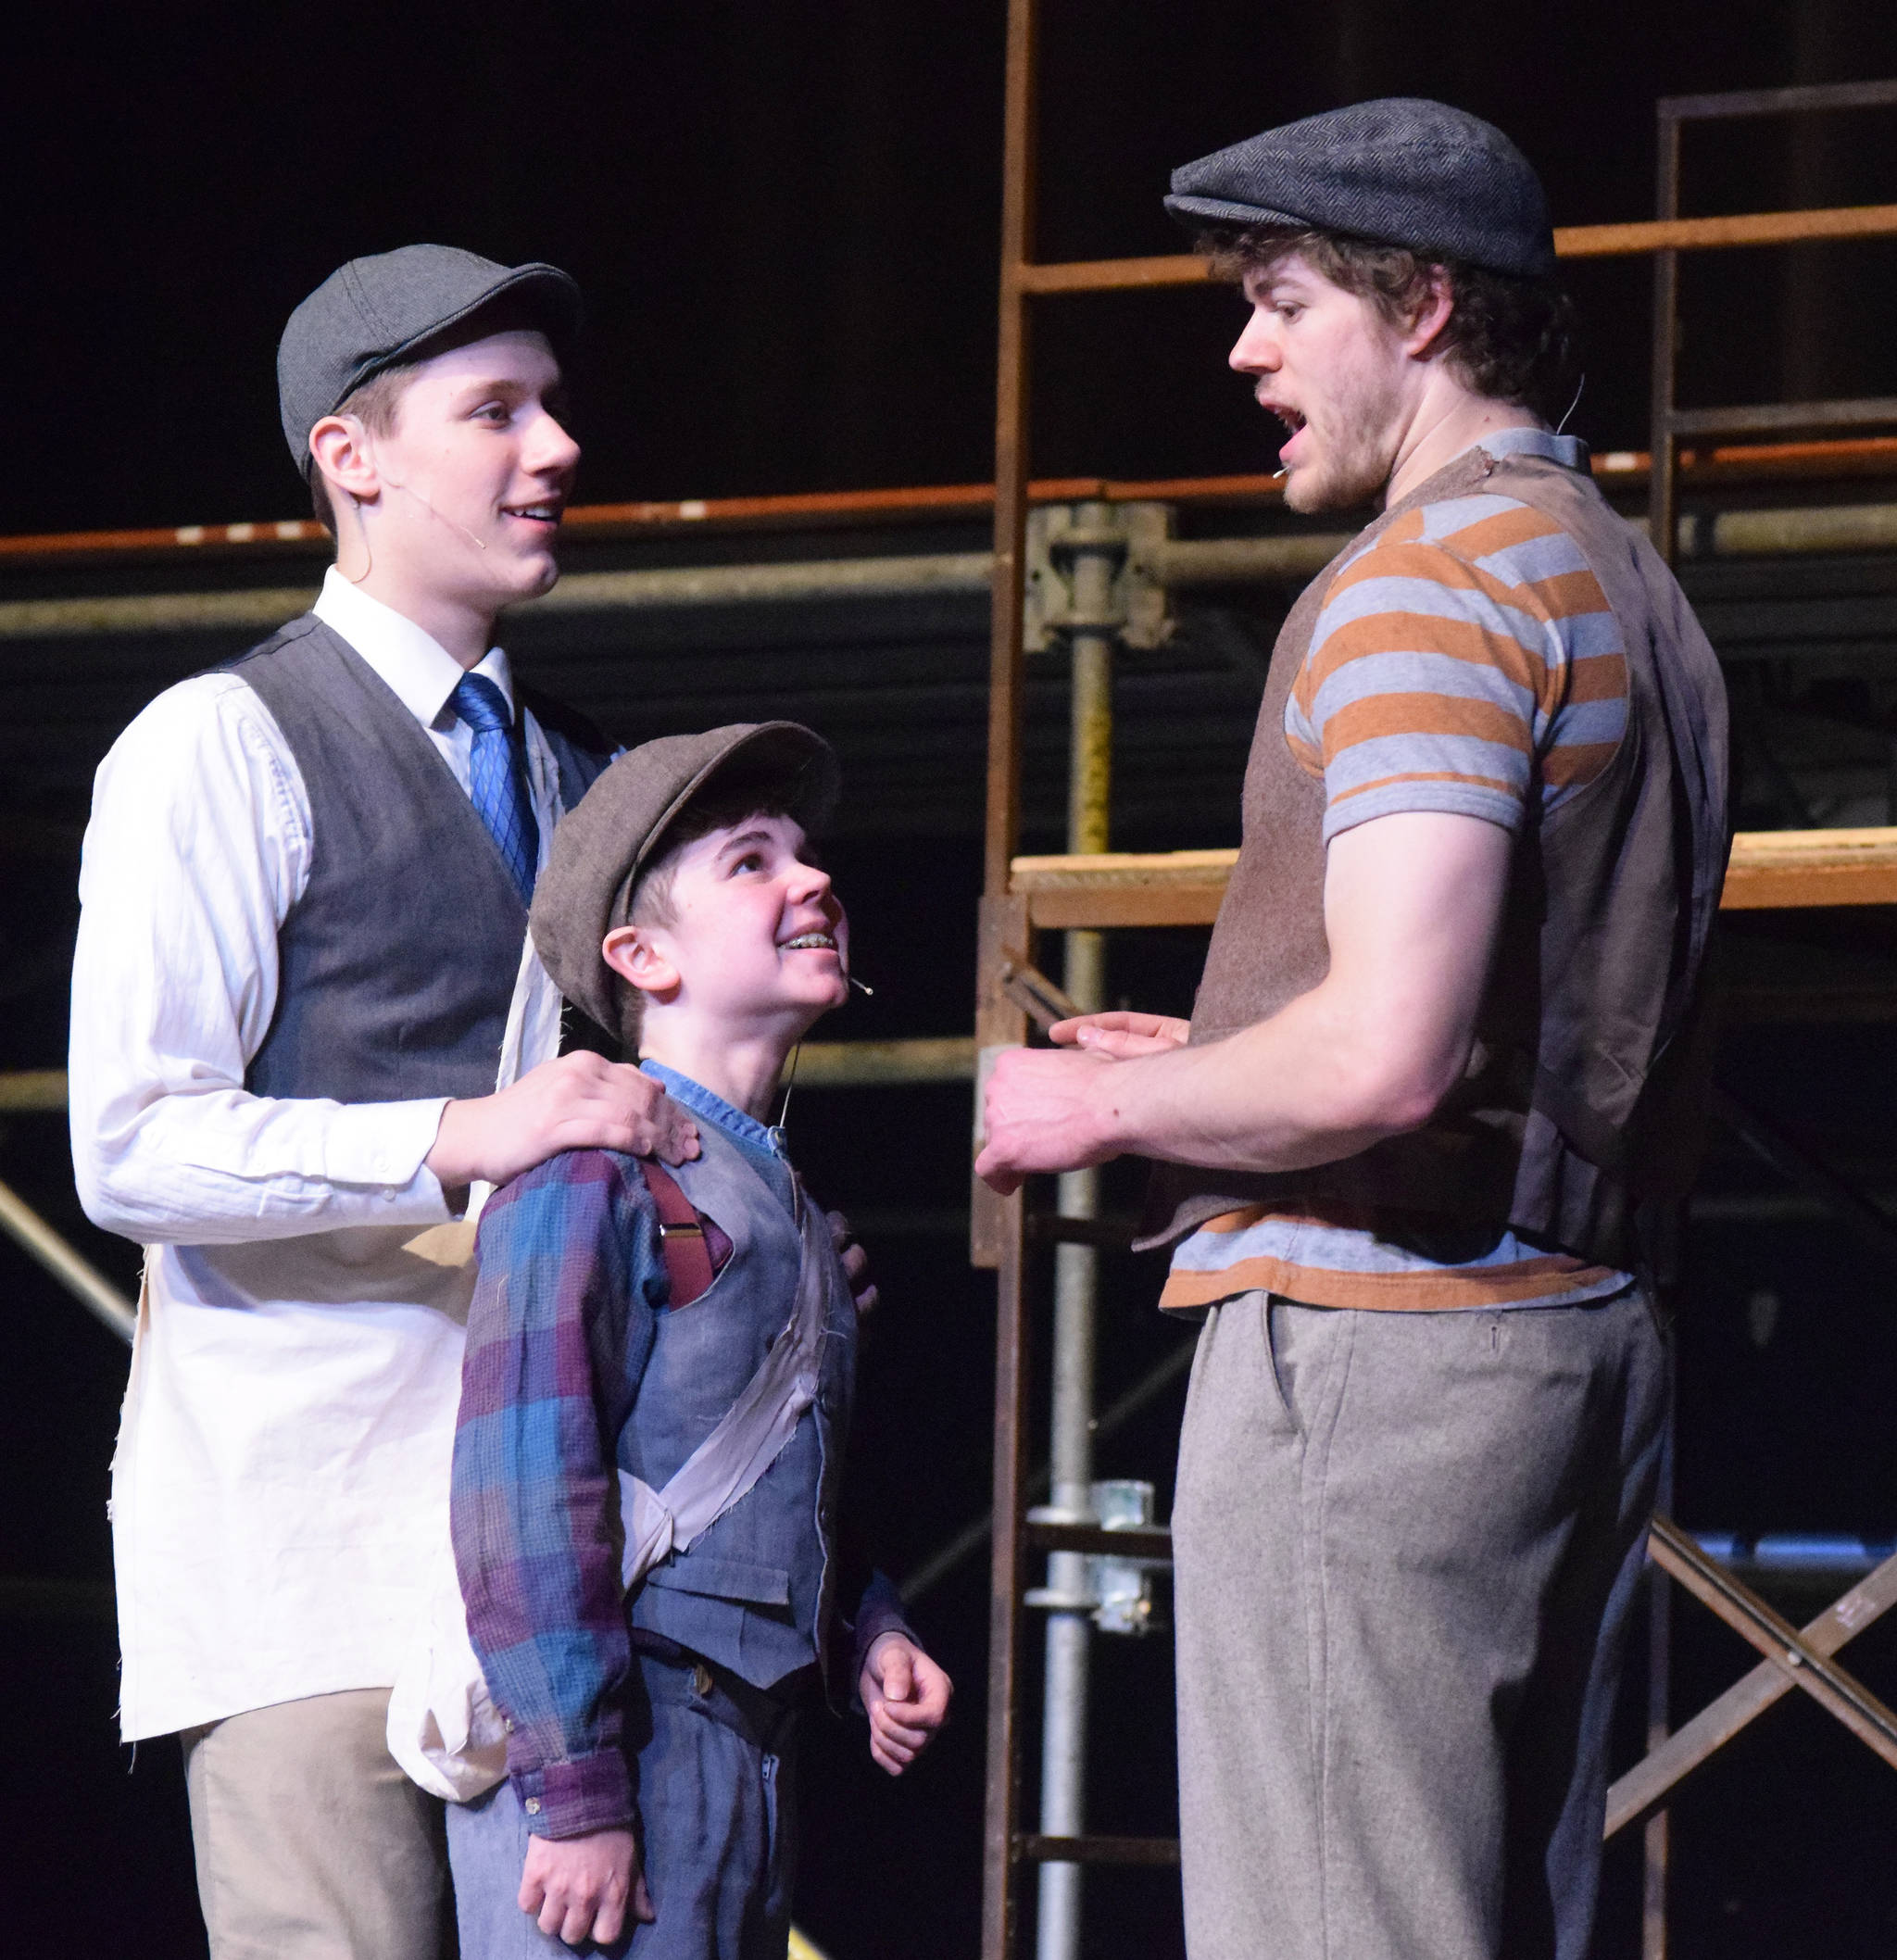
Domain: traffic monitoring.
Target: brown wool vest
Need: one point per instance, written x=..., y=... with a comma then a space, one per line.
x=1581, y=1103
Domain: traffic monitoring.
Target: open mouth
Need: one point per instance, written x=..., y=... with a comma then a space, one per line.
x=1287, y=416
x=811, y=943
x=547, y=513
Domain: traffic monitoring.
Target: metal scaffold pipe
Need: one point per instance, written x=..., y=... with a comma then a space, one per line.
x=906, y=577
x=1076, y=1267
x=83, y=1280
x=1175, y=565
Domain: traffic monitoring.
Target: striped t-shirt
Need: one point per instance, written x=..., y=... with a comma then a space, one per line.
x=1465, y=661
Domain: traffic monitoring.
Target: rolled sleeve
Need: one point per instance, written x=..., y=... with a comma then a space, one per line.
x=879, y=1612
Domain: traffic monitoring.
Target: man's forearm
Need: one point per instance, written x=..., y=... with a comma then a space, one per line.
x=1309, y=1087
x=1411, y=903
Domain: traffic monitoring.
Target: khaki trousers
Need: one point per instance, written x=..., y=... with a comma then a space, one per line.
x=1406, y=1544
x=310, y=1842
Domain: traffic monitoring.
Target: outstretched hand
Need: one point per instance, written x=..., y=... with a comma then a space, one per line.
x=1122, y=1035
x=583, y=1888
x=1057, y=1111
x=579, y=1102
x=906, y=1696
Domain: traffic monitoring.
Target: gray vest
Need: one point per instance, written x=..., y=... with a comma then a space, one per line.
x=754, y=1591
x=397, y=963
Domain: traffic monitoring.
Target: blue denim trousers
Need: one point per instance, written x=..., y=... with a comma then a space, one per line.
x=717, y=1826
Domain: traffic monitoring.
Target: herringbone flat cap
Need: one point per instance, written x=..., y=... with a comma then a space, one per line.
x=616, y=828
x=1400, y=170
x=376, y=312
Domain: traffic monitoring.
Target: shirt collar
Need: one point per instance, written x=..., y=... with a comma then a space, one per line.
x=418, y=669
x=1569, y=451
x=704, y=1103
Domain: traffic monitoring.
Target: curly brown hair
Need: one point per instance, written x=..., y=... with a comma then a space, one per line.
x=1516, y=339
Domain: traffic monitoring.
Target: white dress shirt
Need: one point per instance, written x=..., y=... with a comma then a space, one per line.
x=280, y=1489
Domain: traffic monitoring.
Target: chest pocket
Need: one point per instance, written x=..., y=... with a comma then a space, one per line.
x=724, y=1580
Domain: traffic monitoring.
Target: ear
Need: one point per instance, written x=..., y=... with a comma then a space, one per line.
x=340, y=447
x=640, y=955
x=1432, y=316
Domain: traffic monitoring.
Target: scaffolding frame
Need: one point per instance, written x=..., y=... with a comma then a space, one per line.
x=1670, y=422
x=1092, y=892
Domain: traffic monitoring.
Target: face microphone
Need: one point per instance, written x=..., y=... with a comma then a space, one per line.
x=479, y=544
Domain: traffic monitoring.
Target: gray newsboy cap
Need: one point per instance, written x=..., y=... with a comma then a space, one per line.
x=618, y=827
x=1400, y=170
x=375, y=312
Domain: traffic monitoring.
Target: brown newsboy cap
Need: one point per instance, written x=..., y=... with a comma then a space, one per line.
x=619, y=825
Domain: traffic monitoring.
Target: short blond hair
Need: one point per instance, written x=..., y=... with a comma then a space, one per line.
x=376, y=405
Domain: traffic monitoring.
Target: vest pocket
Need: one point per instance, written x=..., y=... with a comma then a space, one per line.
x=723, y=1579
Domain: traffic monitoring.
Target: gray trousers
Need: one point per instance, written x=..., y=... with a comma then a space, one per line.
x=717, y=1832
x=311, y=1844
x=1406, y=1546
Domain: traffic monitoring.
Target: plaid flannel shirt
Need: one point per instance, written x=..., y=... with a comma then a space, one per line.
x=571, y=1281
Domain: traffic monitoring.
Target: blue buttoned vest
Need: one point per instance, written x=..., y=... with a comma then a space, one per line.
x=754, y=1591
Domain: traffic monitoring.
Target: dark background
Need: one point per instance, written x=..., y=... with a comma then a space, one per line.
x=785, y=218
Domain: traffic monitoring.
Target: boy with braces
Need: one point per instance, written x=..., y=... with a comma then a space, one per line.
x=655, y=1400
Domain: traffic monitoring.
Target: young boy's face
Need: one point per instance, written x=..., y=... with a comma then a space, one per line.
x=476, y=472
x=757, y=937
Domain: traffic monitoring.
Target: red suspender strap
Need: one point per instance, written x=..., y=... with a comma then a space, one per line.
x=681, y=1235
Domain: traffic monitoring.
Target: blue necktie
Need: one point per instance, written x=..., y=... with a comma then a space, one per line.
x=498, y=777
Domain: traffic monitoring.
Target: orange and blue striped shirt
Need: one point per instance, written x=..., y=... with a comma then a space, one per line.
x=1466, y=661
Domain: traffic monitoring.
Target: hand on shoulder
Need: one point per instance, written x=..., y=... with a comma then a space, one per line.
x=579, y=1102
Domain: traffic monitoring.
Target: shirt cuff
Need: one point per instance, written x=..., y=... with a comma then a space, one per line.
x=567, y=1800
x=880, y=1613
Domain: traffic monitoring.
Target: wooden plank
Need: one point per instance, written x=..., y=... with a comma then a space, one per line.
x=1574, y=241
x=1127, y=906
x=1770, y=870
x=1651, y=1781
x=1128, y=888
x=1839, y=1692
x=996, y=1224
x=1788, y=869
x=1699, y=234
x=304, y=537
x=1033, y=1848
x=865, y=1064
x=1126, y=1541
x=33, y=1089
x=1002, y=941
x=1115, y=275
